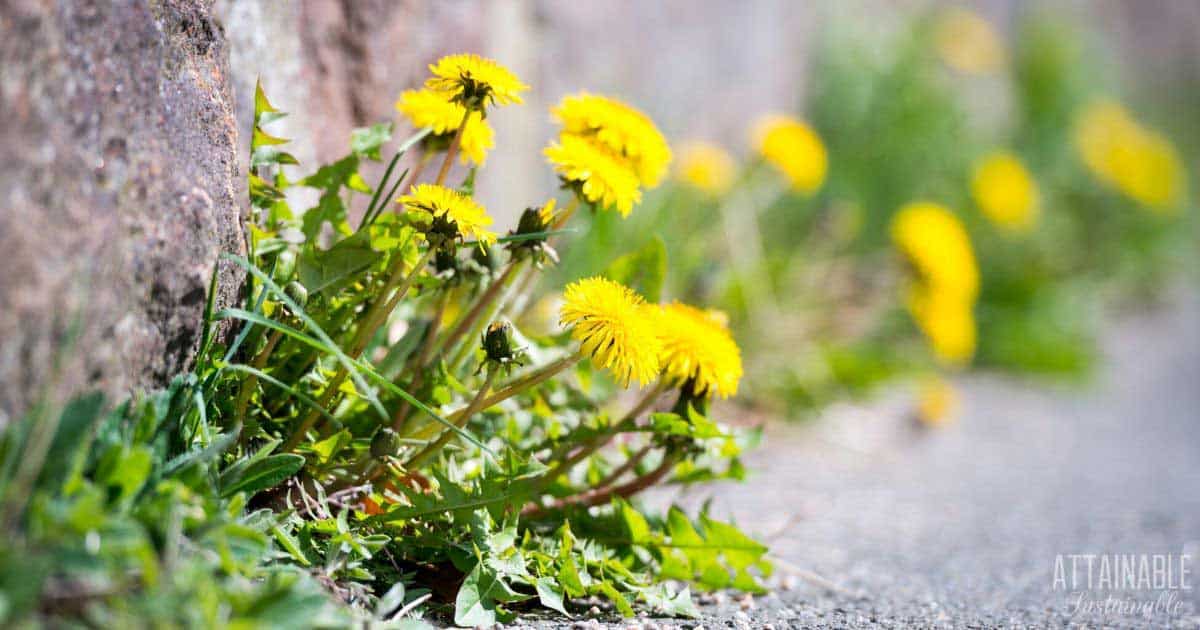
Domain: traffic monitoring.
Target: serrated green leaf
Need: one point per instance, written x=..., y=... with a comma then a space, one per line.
x=479, y=598
x=550, y=594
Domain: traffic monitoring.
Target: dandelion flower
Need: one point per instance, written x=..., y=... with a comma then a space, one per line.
x=793, y=148
x=968, y=43
x=427, y=108
x=947, y=321
x=1137, y=161
x=942, y=297
x=935, y=242
x=937, y=402
x=1005, y=192
x=614, y=327
x=595, y=172
x=475, y=82
x=698, y=349
x=452, y=214
x=706, y=167
x=622, y=129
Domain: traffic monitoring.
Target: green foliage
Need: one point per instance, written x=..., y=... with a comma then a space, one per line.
x=318, y=470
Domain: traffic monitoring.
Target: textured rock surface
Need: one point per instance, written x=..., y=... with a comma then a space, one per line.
x=119, y=186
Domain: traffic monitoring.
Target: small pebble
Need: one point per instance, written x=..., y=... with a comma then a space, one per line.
x=788, y=583
x=594, y=611
x=747, y=602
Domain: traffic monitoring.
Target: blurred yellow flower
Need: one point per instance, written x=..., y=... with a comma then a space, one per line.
x=625, y=131
x=698, y=350
x=475, y=82
x=706, y=167
x=427, y=108
x=795, y=149
x=614, y=327
x=1005, y=192
x=1139, y=162
x=452, y=214
x=937, y=402
x=935, y=242
x=599, y=175
x=948, y=322
x=968, y=43
x=941, y=297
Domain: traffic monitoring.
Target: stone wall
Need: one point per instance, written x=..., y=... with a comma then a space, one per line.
x=119, y=186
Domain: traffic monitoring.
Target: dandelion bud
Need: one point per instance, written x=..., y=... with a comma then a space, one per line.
x=285, y=265
x=386, y=442
x=297, y=293
x=497, y=342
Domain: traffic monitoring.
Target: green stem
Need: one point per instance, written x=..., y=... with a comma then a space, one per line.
x=602, y=439
x=599, y=496
x=472, y=408
x=468, y=320
x=248, y=386
x=371, y=322
x=419, y=362
x=452, y=150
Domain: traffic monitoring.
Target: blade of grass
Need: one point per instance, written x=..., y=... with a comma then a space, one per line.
x=316, y=329
x=267, y=378
x=206, y=332
x=383, y=181
x=517, y=238
x=367, y=370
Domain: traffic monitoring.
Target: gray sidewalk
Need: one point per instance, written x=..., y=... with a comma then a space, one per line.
x=961, y=527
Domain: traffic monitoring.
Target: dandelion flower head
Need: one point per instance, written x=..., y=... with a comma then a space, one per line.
x=1005, y=192
x=698, y=349
x=624, y=130
x=428, y=108
x=598, y=174
x=793, y=148
x=450, y=209
x=614, y=327
x=475, y=82
x=706, y=167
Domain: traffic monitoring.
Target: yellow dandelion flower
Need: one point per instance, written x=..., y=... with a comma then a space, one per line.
x=624, y=130
x=614, y=328
x=698, y=349
x=968, y=43
x=793, y=148
x=937, y=402
x=427, y=108
x=475, y=81
x=1005, y=192
x=948, y=322
x=1137, y=161
x=598, y=175
x=935, y=242
x=453, y=214
x=706, y=167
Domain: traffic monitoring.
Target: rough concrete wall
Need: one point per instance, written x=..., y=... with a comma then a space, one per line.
x=119, y=186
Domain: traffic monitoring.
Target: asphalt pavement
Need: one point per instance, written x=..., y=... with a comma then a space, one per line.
x=876, y=523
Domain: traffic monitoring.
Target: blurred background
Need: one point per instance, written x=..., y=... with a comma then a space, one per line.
x=905, y=102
